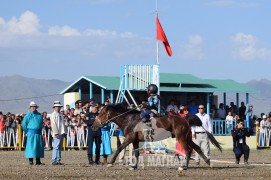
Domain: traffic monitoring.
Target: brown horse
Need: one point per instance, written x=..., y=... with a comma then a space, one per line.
x=130, y=122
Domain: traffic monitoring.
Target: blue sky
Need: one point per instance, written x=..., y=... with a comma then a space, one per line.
x=65, y=39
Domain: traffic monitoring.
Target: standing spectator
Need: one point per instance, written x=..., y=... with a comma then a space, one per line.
x=249, y=114
x=77, y=109
x=193, y=107
x=105, y=148
x=32, y=126
x=181, y=110
x=122, y=153
x=86, y=108
x=240, y=147
x=229, y=122
x=200, y=135
x=262, y=131
x=179, y=148
x=44, y=116
x=221, y=112
x=91, y=102
x=93, y=136
x=2, y=129
x=68, y=108
x=58, y=132
x=233, y=108
x=242, y=110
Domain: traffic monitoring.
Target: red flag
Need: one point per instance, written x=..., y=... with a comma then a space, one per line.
x=161, y=36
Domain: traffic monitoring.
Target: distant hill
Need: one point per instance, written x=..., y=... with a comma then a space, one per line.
x=27, y=89
x=261, y=100
x=23, y=88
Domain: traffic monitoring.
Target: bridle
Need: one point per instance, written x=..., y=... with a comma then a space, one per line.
x=108, y=119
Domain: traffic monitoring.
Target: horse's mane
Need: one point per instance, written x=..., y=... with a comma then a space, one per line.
x=121, y=108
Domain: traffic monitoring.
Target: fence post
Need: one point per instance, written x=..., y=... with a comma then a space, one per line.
x=20, y=137
x=257, y=134
x=64, y=143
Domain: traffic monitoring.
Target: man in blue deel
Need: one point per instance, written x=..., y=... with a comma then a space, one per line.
x=32, y=126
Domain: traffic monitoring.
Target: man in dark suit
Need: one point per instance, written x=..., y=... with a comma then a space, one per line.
x=93, y=136
x=240, y=147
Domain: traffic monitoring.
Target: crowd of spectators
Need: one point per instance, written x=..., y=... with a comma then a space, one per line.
x=74, y=118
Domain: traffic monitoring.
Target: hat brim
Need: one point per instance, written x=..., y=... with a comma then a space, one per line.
x=57, y=106
x=34, y=106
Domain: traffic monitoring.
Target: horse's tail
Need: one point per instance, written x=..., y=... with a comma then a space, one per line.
x=194, y=120
x=213, y=140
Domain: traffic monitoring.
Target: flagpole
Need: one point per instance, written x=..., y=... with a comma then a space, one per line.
x=157, y=45
x=157, y=59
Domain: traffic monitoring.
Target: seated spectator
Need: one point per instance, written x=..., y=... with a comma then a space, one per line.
x=172, y=108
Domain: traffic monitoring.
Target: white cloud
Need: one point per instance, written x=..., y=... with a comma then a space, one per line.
x=99, y=33
x=63, y=31
x=24, y=36
x=193, y=48
x=232, y=3
x=28, y=23
x=246, y=47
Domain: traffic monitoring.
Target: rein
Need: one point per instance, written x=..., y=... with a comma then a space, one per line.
x=108, y=120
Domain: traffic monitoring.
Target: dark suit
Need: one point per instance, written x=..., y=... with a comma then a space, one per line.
x=93, y=136
x=239, y=143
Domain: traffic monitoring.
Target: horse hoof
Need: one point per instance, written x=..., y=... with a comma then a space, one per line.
x=180, y=169
x=109, y=165
x=131, y=168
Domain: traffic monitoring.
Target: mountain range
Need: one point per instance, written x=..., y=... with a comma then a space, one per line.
x=17, y=92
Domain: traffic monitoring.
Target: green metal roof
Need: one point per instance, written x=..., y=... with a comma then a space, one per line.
x=172, y=83
x=230, y=86
x=109, y=82
x=180, y=78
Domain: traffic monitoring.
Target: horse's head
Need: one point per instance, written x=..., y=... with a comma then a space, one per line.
x=102, y=119
x=107, y=114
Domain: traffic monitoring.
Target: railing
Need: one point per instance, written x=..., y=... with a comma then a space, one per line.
x=223, y=127
x=77, y=138
x=263, y=137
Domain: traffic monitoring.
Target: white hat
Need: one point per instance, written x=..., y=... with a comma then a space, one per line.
x=57, y=104
x=264, y=117
x=33, y=104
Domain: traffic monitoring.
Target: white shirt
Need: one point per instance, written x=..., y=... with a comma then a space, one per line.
x=229, y=119
x=262, y=123
x=206, y=124
x=172, y=107
x=57, y=124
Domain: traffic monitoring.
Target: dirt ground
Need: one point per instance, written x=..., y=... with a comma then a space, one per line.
x=13, y=165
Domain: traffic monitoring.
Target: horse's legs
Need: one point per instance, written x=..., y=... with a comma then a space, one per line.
x=198, y=150
x=136, y=151
x=126, y=142
x=184, y=144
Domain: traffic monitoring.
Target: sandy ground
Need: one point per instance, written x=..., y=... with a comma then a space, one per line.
x=13, y=165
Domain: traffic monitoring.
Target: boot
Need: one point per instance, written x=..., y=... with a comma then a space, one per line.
x=245, y=159
x=90, y=160
x=237, y=160
x=97, y=159
x=38, y=162
x=31, y=161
